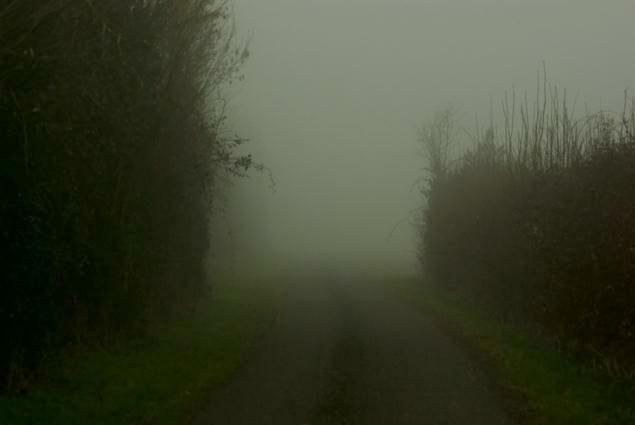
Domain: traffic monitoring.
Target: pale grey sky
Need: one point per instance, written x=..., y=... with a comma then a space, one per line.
x=335, y=90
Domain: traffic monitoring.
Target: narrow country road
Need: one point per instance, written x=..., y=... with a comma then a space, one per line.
x=344, y=351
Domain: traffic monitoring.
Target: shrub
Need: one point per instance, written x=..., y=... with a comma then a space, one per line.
x=536, y=221
x=109, y=118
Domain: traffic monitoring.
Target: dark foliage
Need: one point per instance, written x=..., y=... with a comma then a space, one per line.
x=537, y=225
x=109, y=120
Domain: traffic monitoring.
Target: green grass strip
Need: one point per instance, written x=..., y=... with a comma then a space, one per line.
x=162, y=379
x=558, y=390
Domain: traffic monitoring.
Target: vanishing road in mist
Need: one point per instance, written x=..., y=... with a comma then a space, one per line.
x=346, y=351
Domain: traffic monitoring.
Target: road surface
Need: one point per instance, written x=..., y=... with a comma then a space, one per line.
x=346, y=351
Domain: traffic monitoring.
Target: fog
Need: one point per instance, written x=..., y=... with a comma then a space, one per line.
x=335, y=91
x=393, y=243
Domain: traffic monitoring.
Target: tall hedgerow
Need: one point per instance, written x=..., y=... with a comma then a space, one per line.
x=110, y=122
x=536, y=222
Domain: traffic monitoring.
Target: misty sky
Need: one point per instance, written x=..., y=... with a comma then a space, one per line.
x=336, y=89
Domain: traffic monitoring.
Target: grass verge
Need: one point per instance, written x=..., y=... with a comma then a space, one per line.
x=557, y=389
x=161, y=379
